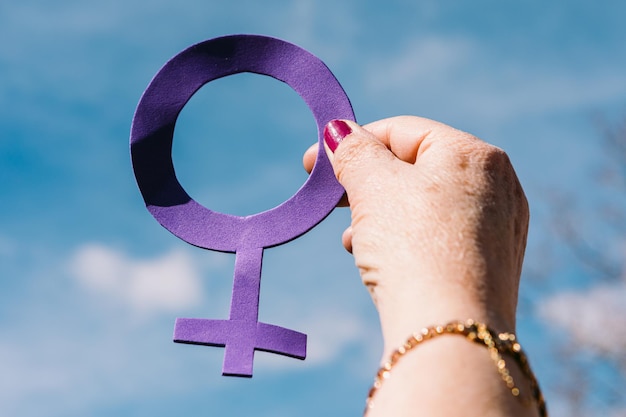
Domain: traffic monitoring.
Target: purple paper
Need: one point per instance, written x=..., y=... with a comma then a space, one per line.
x=151, y=147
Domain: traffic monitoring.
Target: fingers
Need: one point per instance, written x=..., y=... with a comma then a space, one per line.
x=356, y=155
x=409, y=136
x=405, y=136
x=346, y=239
x=309, y=157
x=308, y=160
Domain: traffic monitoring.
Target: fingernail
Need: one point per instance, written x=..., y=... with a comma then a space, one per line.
x=334, y=132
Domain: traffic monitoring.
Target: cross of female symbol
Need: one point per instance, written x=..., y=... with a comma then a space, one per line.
x=151, y=147
x=241, y=334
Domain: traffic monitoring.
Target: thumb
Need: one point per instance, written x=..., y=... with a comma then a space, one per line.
x=355, y=154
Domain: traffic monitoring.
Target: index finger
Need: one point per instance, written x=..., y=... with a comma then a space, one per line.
x=409, y=136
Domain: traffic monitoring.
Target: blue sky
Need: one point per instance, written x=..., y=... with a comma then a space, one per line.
x=90, y=284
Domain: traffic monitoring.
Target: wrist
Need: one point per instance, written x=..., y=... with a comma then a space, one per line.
x=431, y=364
x=405, y=311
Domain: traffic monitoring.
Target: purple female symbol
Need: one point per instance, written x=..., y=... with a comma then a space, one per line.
x=151, y=150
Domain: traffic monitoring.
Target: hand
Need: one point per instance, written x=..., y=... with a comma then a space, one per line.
x=439, y=222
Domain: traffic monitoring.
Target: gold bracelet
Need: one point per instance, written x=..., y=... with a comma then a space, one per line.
x=496, y=343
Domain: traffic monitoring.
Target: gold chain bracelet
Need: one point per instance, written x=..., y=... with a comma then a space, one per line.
x=496, y=343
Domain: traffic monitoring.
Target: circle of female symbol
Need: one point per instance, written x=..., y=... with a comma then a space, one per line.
x=151, y=148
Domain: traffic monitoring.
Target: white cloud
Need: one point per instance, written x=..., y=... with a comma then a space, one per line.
x=595, y=319
x=7, y=246
x=87, y=361
x=543, y=90
x=421, y=60
x=167, y=283
x=334, y=333
x=61, y=355
x=618, y=413
x=456, y=75
x=329, y=335
x=562, y=406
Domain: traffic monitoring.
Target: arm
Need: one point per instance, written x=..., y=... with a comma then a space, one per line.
x=438, y=232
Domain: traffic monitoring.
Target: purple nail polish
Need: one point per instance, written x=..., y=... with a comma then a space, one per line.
x=334, y=132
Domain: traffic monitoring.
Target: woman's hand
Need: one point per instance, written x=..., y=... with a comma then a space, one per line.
x=439, y=222
x=438, y=232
